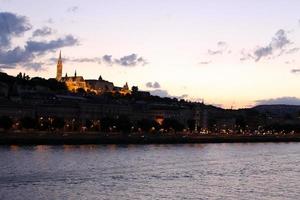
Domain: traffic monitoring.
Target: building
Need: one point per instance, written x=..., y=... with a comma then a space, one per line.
x=98, y=86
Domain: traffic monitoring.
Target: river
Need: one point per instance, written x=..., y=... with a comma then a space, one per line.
x=197, y=171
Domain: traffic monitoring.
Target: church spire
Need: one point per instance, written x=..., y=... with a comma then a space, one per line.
x=59, y=68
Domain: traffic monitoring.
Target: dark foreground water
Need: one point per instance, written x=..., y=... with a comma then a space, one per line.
x=208, y=171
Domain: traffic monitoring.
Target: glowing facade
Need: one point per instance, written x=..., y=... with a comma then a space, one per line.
x=99, y=86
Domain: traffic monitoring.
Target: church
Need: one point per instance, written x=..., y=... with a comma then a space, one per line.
x=99, y=86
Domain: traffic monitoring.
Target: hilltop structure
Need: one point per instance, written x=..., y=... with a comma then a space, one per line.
x=98, y=86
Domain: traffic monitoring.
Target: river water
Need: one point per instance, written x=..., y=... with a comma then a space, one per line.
x=202, y=171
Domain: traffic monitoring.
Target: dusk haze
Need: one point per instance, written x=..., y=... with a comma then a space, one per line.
x=227, y=53
x=149, y=99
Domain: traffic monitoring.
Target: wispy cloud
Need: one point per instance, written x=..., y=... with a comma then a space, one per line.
x=294, y=71
x=131, y=60
x=205, y=62
x=73, y=9
x=222, y=47
x=280, y=100
x=44, y=31
x=276, y=47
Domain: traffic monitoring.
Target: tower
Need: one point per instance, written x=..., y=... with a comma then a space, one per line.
x=59, y=68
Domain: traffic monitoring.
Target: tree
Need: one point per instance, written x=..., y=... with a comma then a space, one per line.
x=172, y=123
x=6, y=122
x=123, y=124
x=28, y=122
x=58, y=123
x=240, y=122
x=147, y=124
x=81, y=91
x=191, y=124
x=134, y=90
x=106, y=123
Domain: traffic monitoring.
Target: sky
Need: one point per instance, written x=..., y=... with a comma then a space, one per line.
x=228, y=53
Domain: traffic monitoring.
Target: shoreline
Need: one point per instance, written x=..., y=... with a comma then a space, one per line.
x=81, y=139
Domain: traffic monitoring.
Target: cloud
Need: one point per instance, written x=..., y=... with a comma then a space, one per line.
x=274, y=49
x=294, y=71
x=86, y=60
x=73, y=9
x=165, y=93
x=221, y=48
x=36, y=66
x=12, y=25
x=131, y=60
x=108, y=59
x=153, y=85
x=205, y=62
x=42, y=32
x=280, y=100
x=14, y=56
x=49, y=21
x=161, y=93
x=44, y=46
x=77, y=60
x=245, y=55
x=293, y=50
x=184, y=96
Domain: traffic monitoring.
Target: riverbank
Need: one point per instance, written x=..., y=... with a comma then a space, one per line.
x=88, y=138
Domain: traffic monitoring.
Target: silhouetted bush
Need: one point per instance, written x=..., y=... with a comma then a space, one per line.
x=6, y=122
x=28, y=123
x=169, y=123
x=147, y=124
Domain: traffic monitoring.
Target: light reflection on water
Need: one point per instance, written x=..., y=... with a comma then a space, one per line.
x=195, y=171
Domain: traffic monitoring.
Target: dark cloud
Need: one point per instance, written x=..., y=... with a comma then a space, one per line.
x=153, y=85
x=14, y=56
x=108, y=59
x=131, y=60
x=294, y=71
x=44, y=46
x=277, y=44
x=280, y=100
x=73, y=9
x=42, y=32
x=12, y=25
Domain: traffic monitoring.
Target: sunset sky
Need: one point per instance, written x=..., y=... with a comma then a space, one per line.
x=230, y=53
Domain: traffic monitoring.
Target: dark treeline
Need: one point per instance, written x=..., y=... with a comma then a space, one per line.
x=23, y=80
x=107, y=124
x=275, y=118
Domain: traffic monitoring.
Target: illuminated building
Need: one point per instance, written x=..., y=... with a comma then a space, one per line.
x=99, y=86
